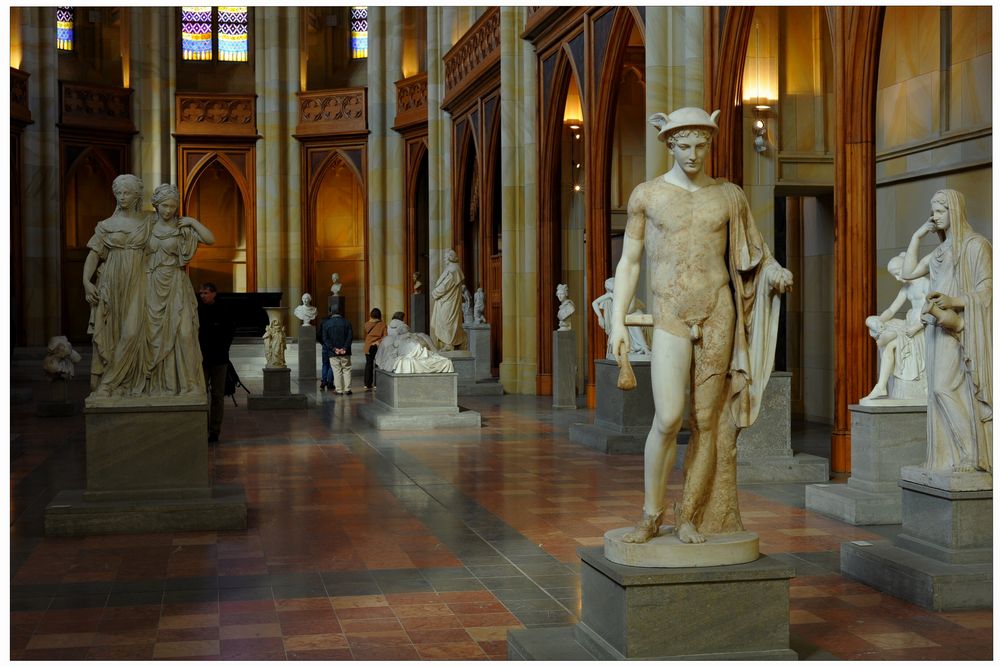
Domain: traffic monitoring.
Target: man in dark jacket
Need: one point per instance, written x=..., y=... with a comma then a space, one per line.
x=215, y=335
x=337, y=338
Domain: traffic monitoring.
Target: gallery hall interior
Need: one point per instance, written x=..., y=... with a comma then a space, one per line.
x=523, y=333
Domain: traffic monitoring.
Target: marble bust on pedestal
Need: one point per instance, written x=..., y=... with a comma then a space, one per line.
x=305, y=311
x=566, y=307
x=335, y=287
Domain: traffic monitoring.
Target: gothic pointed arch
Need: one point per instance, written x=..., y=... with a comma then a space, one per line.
x=728, y=34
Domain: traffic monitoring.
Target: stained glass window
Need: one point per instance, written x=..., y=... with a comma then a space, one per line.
x=64, y=28
x=201, y=27
x=359, y=32
x=233, y=34
x=196, y=33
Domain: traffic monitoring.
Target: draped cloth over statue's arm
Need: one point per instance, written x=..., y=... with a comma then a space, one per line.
x=751, y=267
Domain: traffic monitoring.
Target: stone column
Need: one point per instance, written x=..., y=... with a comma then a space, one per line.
x=40, y=215
x=439, y=20
x=675, y=70
x=152, y=75
x=519, y=219
x=279, y=225
x=386, y=162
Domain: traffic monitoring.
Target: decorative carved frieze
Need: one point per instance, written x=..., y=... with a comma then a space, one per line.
x=20, y=110
x=477, y=51
x=216, y=114
x=85, y=105
x=328, y=112
x=411, y=101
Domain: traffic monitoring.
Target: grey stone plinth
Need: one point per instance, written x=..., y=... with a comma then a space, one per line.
x=70, y=514
x=564, y=369
x=622, y=418
x=764, y=450
x=466, y=363
x=943, y=557
x=417, y=401
x=883, y=441
x=307, y=353
x=924, y=581
x=336, y=304
x=479, y=346
x=771, y=435
x=135, y=450
x=277, y=393
x=724, y=613
x=147, y=471
x=52, y=399
x=418, y=313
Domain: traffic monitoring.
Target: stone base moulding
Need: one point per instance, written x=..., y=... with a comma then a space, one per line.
x=666, y=550
x=884, y=439
x=729, y=612
x=147, y=471
x=417, y=401
x=943, y=557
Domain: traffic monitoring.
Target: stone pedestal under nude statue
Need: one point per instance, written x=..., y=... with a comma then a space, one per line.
x=942, y=558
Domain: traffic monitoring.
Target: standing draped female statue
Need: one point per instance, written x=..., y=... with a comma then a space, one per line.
x=171, y=308
x=446, y=317
x=118, y=298
x=959, y=315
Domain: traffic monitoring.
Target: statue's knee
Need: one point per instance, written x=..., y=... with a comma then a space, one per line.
x=667, y=424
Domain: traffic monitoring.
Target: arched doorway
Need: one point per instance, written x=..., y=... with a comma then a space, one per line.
x=218, y=199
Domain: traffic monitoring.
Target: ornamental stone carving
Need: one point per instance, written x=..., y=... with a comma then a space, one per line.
x=333, y=111
x=216, y=114
x=477, y=50
x=84, y=105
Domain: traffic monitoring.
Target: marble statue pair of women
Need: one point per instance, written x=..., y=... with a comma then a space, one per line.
x=958, y=337
x=715, y=299
x=446, y=315
x=144, y=315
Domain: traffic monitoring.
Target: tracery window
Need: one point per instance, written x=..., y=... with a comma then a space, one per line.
x=64, y=28
x=203, y=27
x=359, y=32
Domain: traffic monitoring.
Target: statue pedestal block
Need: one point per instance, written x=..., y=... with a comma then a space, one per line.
x=336, y=304
x=943, y=557
x=417, y=401
x=622, y=418
x=147, y=471
x=728, y=612
x=564, y=369
x=479, y=346
x=418, y=313
x=465, y=363
x=764, y=451
x=883, y=440
x=277, y=393
x=307, y=354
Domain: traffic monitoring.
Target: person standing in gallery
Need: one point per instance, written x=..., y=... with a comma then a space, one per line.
x=337, y=338
x=375, y=330
x=215, y=336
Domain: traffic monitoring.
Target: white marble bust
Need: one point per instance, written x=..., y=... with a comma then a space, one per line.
x=305, y=311
x=58, y=363
x=335, y=287
x=566, y=307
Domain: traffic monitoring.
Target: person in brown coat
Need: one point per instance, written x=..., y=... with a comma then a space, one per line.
x=375, y=330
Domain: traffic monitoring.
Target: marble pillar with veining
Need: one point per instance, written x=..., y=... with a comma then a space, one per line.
x=519, y=192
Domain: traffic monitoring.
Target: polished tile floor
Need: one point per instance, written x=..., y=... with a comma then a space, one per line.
x=425, y=545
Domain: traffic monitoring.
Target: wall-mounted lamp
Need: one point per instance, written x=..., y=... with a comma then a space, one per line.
x=760, y=135
x=575, y=125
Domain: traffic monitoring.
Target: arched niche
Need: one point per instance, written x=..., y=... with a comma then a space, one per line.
x=467, y=230
x=218, y=198
x=337, y=236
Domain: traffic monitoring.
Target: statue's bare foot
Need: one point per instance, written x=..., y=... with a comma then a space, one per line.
x=687, y=534
x=645, y=530
x=878, y=392
x=965, y=466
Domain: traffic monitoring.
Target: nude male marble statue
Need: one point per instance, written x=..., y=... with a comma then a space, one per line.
x=699, y=238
